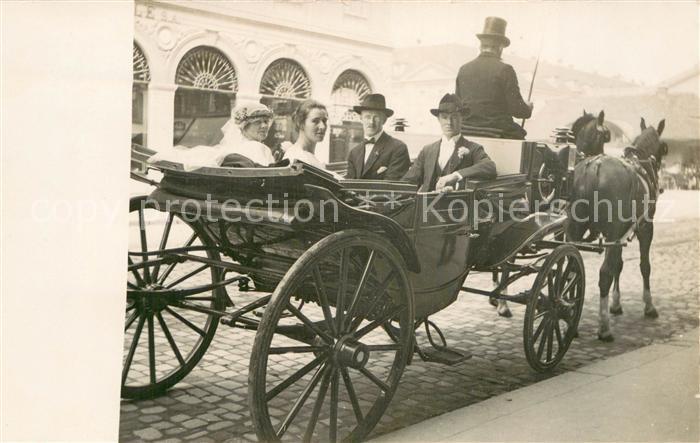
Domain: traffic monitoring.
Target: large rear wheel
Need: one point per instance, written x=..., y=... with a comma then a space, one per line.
x=165, y=335
x=322, y=366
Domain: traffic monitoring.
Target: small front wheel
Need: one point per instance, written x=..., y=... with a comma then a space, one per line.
x=554, y=308
x=326, y=370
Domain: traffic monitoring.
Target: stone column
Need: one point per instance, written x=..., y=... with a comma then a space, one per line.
x=160, y=110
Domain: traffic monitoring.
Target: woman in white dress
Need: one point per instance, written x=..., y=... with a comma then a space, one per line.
x=241, y=145
x=311, y=120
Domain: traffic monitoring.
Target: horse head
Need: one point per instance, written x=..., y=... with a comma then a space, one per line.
x=590, y=133
x=648, y=144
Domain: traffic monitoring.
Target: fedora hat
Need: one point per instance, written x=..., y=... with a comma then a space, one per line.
x=373, y=102
x=449, y=103
x=495, y=27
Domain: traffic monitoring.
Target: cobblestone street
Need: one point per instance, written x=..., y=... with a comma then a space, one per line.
x=210, y=404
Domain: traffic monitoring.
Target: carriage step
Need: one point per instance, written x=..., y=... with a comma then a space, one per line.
x=445, y=356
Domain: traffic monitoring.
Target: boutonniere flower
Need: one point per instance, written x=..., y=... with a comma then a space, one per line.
x=462, y=151
x=381, y=170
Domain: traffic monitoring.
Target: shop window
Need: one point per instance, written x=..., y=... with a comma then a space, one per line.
x=141, y=77
x=283, y=86
x=346, y=131
x=207, y=85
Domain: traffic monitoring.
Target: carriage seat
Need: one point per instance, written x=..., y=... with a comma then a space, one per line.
x=504, y=152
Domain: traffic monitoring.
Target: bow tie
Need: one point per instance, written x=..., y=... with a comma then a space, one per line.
x=369, y=141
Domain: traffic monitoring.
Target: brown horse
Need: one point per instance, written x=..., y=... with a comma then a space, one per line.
x=613, y=197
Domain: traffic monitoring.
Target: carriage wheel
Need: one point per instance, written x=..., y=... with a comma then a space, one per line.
x=328, y=371
x=554, y=308
x=546, y=185
x=164, y=341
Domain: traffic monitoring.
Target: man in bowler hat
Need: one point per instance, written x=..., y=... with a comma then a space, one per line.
x=380, y=156
x=443, y=164
x=489, y=87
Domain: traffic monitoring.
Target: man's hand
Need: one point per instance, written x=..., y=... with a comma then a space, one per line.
x=447, y=181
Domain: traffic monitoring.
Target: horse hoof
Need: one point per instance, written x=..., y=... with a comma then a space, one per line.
x=616, y=310
x=493, y=302
x=651, y=313
x=607, y=337
x=505, y=312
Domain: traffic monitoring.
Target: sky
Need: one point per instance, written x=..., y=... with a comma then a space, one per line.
x=646, y=42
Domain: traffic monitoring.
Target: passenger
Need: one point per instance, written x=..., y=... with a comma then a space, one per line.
x=380, y=156
x=442, y=165
x=489, y=87
x=243, y=136
x=311, y=121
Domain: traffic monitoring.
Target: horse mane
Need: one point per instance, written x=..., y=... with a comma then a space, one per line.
x=581, y=122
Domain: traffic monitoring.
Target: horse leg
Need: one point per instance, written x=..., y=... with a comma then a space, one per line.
x=645, y=235
x=494, y=278
x=616, y=308
x=502, y=307
x=607, y=272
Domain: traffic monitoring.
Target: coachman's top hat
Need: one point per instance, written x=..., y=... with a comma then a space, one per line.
x=449, y=103
x=373, y=102
x=495, y=27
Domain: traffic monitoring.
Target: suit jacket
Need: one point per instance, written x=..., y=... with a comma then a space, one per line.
x=388, y=152
x=489, y=88
x=425, y=171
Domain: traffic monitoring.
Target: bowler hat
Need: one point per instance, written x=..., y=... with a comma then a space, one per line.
x=373, y=102
x=495, y=27
x=449, y=103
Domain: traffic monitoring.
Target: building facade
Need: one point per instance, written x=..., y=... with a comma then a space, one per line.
x=193, y=61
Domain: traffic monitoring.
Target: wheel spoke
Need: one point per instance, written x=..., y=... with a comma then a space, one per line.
x=323, y=300
x=539, y=330
x=342, y=286
x=380, y=294
x=557, y=329
x=144, y=243
x=565, y=275
x=311, y=325
x=550, y=339
x=333, y=431
x=163, y=242
x=361, y=285
x=185, y=321
x=130, y=320
x=187, y=276
x=319, y=402
x=543, y=341
x=384, y=318
x=294, y=377
x=300, y=401
x=132, y=349
x=387, y=347
x=139, y=280
x=169, y=336
x=171, y=266
x=296, y=349
x=373, y=378
x=351, y=393
x=151, y=350
x=570, y=284
x=558, y=276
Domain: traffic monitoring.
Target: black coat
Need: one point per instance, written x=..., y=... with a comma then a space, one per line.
x=425, y=171
x=388, y=153
x=489, y=88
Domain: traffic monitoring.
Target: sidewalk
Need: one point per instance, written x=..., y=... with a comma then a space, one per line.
x=650, y=394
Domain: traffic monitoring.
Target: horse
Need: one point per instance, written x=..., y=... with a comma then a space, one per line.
x=590, y=134
x=629, y=188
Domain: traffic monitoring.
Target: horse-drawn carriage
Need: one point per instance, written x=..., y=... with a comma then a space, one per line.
x=335, y=276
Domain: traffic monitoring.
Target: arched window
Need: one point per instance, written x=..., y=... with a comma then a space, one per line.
x=346, y=131
x=207, y=86
x=283, y=85
x=141, y=77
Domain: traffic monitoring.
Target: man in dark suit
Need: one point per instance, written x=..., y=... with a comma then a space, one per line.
x=489, y=87
x=443, y=164
x=380, y=156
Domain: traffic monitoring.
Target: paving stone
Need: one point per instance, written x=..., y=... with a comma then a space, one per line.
x=148, y=433
x=154, y=410
x=194, y=423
